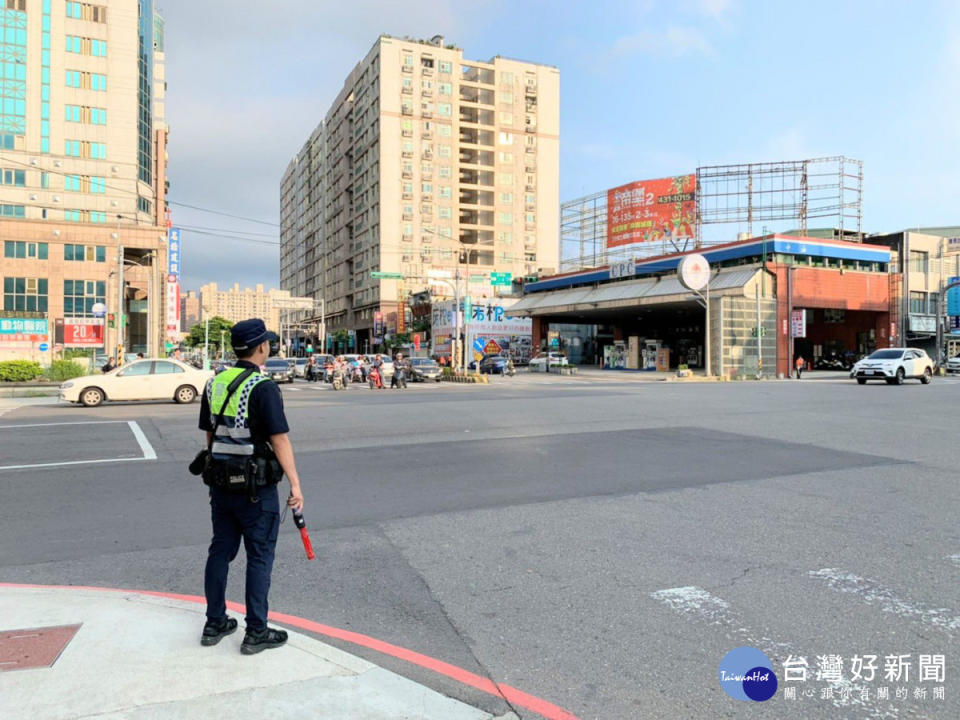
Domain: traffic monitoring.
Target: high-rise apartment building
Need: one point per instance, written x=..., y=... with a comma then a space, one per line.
x=234, y=304
x=426, y=164
x=82, y=169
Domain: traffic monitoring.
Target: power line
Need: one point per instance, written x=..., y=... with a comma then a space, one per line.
x=229, y=215
x=226, y=230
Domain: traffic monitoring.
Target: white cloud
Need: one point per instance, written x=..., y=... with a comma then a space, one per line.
x=675, y=41
x=714, y=9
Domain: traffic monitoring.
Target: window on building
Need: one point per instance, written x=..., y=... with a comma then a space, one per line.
x=144, y=205
x=17, y=211
x=919, y=261
x=506, y=198
x=530, y=218
x=443, y=150
x=444, y=130
x=444, y=213
x=45, y=180
x=74, y=79
x=25, y=294
x=446, y=67
x=933, y=301
x=445, y=88
x=444, y=109
x=506, y=158
x=444, y=192
x=73, y=113
x=23, y=250
x=507, y=78
x=79, y=296
x=506, y=118
x=506, y=179
x=444, y=171
x=98, y=185
x=506, y=138
x=71, y=148
x=408, y=59
x=72, y=183
x=505, y=218
x=506, y=98
x=426, y=188
x=98, y=82
x=918, y=302
x=17, y=178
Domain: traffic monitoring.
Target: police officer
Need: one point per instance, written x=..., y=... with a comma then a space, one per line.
x=242, y=414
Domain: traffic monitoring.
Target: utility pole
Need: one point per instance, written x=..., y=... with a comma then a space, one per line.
x=206, y=343
x=120, y=304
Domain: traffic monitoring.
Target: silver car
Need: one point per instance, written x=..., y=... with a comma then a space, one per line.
x=279, y=370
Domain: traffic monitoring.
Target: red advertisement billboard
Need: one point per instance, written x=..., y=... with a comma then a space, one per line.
x=651, y=210
x=82, y=332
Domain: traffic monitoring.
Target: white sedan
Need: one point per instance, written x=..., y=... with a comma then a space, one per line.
x=894, y=365
x=140, y=380
x=539, y=363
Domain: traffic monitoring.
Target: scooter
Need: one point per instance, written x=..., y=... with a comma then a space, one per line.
x=400, y=379
x=339, y=381
x=373, y=377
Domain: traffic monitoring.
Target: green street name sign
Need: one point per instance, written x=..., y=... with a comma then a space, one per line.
x=376, y=275
x=501, y=278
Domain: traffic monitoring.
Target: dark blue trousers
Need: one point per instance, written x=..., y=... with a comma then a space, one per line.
x=235, y=518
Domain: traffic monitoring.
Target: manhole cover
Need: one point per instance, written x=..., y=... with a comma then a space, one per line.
x=34, y=647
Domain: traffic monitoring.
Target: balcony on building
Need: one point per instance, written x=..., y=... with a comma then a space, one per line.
x=471, y=74
x=472, y=156
x=471, y=196
x=473, y=136
x=476, y=177
x=476, y=217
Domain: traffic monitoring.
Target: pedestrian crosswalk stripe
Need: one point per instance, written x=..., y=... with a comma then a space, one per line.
x=874, y=594
x=698, y=604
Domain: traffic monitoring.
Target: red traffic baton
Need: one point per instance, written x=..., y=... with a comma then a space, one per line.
x=302, y=525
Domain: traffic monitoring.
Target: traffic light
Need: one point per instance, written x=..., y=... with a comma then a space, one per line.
x=111, y=320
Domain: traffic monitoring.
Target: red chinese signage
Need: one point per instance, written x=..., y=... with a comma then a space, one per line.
x=83, y=332
x=652, y=210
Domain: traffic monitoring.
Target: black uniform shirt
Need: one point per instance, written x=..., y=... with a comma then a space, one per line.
x=265, y=413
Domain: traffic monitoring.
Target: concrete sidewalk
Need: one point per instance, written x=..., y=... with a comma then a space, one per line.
x=139, y=656
x=9, y=404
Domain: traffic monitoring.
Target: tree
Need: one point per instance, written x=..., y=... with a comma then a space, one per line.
x=198, y=332
x=397, y=341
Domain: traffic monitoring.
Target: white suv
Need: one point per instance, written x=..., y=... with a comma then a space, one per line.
x=894, y=365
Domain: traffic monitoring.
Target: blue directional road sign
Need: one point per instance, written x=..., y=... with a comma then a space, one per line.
x=43, y=347
x=478, y=344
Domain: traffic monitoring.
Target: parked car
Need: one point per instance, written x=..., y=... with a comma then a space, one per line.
x=493, y=364
x=423, y=369
x=953, y=364
x=140, y=380
x=539, y=363
x=300, y=367
x=279, y=370
x=894, y=365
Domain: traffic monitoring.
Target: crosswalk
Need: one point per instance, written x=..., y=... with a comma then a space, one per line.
x=849, y=694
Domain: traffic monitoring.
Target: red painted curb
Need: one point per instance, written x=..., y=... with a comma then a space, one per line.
x=511, y=694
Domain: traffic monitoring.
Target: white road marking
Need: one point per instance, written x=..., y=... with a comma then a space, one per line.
x=955, y=559
x=696, y=603
x=292, y=389
x=146, y=448
x=148, y=452
x=874, y=594
x=80, y=422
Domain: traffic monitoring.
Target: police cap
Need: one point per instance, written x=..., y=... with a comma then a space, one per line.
x=250, y=333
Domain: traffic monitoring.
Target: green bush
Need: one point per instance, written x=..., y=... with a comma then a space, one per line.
x=19, y=370
x=61, y=370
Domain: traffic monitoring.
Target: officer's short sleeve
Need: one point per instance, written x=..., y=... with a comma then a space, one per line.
x=205, y=423
x=266, y=409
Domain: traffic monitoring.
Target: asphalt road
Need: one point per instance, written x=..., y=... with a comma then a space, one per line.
x=598, y=543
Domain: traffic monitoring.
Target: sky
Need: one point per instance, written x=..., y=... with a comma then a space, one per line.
x=649, y=89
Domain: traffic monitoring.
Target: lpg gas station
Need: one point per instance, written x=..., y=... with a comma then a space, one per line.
x=649, y=292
